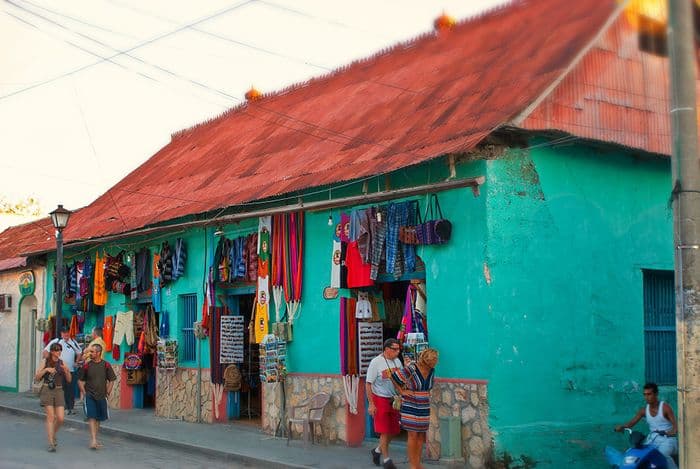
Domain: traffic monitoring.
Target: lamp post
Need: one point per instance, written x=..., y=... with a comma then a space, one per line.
x=59, y=218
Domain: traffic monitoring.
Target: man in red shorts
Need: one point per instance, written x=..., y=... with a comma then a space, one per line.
x=380, y=393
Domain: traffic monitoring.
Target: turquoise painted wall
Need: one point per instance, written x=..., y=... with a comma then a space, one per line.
x=539, y=291
x=188, y=284
x=569, y=231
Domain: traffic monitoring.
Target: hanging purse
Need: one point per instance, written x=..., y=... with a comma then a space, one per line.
x=408, y=234
x=436, y=229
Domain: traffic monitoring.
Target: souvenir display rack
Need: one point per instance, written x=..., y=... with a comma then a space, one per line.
x=273, y=358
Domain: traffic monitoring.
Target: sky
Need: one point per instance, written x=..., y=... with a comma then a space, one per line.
x=90, y=89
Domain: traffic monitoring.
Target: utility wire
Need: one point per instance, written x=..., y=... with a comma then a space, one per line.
x=137, y=46
x=246, y=110
x=94, y=154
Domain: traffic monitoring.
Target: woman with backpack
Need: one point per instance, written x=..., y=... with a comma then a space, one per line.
x=54, y=374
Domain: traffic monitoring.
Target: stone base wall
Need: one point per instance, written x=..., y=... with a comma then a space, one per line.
x=176, y=395
x=297, y=389
x=469, y=402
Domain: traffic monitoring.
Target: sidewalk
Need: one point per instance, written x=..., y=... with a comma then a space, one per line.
x=235, y=442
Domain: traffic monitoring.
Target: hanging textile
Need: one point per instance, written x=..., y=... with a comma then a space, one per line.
x=352, y=364
x=133, y=285
x=164, y=330
x=100, y=292
x=293, y=252
x=263, y=290
x=277, y=264
x=179, y=259
x=411, y=321
x=216, y=368
x=335, y=254
x=73, y=330
x=260, y=322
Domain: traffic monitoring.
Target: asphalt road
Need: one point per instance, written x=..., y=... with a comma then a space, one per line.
x=23, y=445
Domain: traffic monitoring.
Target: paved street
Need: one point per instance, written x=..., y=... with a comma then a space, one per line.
x=23, y=445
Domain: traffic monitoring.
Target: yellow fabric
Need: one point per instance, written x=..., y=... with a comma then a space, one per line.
x=260, y=322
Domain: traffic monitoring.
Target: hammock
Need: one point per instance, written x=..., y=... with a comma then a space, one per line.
x=294, y=228
x=351, y=385
x=276, y=263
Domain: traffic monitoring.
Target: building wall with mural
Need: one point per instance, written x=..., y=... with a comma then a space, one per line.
x=20, y=342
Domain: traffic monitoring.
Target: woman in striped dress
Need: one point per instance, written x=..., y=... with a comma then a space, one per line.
x=415, y=382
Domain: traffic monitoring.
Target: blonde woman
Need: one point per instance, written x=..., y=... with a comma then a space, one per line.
x=415, y=381
x=54, y=374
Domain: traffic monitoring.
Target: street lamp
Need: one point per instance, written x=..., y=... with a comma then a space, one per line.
x=59, y=218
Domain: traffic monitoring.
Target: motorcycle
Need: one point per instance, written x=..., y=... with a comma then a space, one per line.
x=638, y=456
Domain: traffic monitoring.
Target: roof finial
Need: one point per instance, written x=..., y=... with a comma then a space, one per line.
x=253, y=94
x=444, y=23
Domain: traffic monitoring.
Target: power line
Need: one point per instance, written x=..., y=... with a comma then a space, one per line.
x=138, y=46
x=259, y=106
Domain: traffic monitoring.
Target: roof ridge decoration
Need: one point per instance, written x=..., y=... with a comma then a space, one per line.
x=345, y=68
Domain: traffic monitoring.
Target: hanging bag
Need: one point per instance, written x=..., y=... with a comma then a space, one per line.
x=436, y=229
x=409, y=234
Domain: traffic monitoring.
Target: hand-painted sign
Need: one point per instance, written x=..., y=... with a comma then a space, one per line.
x=26, y=283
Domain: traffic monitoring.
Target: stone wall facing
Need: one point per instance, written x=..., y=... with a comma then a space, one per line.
x=469, y=402
x=299, y=388
x=176, y=395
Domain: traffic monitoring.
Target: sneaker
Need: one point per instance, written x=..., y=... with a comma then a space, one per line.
x=389, y=464
x=375, y=456
x=52, y=449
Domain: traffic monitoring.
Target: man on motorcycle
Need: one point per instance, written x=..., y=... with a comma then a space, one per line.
x=663, y=429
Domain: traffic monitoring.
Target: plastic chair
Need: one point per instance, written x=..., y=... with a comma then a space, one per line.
x=308, y=414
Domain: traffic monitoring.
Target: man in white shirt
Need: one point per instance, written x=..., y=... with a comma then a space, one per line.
x=70, y=355
x=380, y=392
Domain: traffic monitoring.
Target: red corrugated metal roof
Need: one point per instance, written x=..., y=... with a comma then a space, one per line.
x=616, y=93
x=24, y=238
x=417, y=101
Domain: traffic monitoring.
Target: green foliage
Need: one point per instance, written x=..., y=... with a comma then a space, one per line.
x=27, y=207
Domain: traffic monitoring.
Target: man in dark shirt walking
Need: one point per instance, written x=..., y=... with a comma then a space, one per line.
x=96, y=381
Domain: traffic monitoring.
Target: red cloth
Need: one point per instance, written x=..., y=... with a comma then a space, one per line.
x=358, y=271
x=108, y=332
x=386, y=418
x=73, y=331
x=116, y=354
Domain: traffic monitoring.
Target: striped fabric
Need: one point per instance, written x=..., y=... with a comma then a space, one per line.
x=415, y=405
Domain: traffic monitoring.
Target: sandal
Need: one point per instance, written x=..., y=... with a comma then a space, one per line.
x=51, y=449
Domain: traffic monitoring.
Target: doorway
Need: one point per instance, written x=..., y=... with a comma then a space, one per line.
x=29, y=350
x=247, y=407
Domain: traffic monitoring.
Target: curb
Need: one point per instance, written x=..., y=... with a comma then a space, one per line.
x=228, y=456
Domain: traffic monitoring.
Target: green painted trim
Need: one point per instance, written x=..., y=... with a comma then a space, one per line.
x=19, y=328
x=8, y=389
